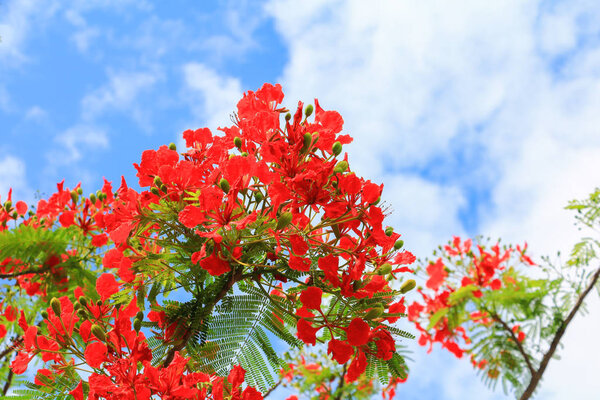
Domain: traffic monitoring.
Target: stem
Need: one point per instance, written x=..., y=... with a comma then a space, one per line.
x=25, y=272
x=341, y=384
x=235, y=277
x=273, y=388
x=535, y=379
x=8, y=382
x=526, y=357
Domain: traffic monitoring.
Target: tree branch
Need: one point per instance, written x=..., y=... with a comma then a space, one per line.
x=526, y=357
x=25, y=272
x=341, y=384
x=273, y=388
x=535, y=379
x=235, y=277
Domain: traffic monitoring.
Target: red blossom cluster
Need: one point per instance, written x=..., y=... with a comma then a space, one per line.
x=456, y=299
x=271, y=184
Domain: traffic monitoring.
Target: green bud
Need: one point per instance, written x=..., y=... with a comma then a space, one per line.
x=342, y=166
x=309, y=110
x=44, y=314
x=82, y=314
x=288, y=116
x=56, y=306
x=284, y=220
x=8, y=205
x=258, y=195
x=137, y=325
x=384, y=269
x=389, y=231
x=224, y=185
x=399, y=244
x=336, y=149
x=408, y=286
x=140, y=315
x=79, y=191
x=374, y=312
x=98, y=332
x=74, y=196
x=172, y=146
x=15, y=215
x=307, y=142
x=157, y=181
x=102, y=196
x=99, y=303
x=93, y=198
x=244, y=154
x=155, y=191
x=83, y=301
x=76, y=305
x=163, y=188
x=237, y=141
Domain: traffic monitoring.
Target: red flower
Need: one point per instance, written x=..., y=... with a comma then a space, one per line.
x=357, y=367
x=437, y=274
x=311, y=297
x=358, y=332
x=106, y=285
x=77, y=393
x=340, y=351
x=95, y=354
x=306, y=332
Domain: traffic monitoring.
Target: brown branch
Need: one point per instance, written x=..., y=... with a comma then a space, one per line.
x=341, y=384
x=25, y=272
x=535, y=379
x=8, y=382
x=273, y=388
x=526, y=357
x=16, y=342
x=235, y=277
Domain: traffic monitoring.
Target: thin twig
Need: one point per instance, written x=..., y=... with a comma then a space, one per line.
x=526, y=357
x=535, y=379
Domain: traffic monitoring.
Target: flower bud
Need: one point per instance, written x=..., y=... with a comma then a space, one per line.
x=99, y=303
x=307, y=142
x=15, y=215
x=163, y=188
x=79, y=191
x=309, y=110
x=137, y=325
x=237, y=141
x=56, y=306
x=155, y=191
x=157, y=181
x=44, y=314
x=389, y=231
x=76, y=305
x=284, y=220
x=374, y=312
x=288, y=116
x=244, y=154
x=74, y=196
x=172, y=146
x=342, y=166
x=93, y=198
x=98, y=332
x=408, y=286
x=8, y=205
x=398, y=245
x=384, y=269
x=258, y=195
x=224, y=185
x=336, y=149
x=140, y=315
x=82, y=314
x=102, y=196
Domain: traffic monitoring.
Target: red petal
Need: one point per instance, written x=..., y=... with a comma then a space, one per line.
x=106, y=285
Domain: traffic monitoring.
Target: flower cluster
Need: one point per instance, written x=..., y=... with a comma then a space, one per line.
x=468, y=291
x=269, y=206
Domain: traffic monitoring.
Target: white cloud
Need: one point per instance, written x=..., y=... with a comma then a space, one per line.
x=121, y=93
x=512, y=86
x=13, y=175
x=36, y=113
x=212, y=97
x=73, y=141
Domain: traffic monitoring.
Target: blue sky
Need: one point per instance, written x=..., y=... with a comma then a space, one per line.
x=479, y=117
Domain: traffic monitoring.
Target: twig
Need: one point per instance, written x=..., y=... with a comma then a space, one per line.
x=535, y=379
x=526, y=357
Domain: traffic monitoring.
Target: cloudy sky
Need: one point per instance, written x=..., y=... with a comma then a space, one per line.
x=479, y=117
